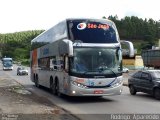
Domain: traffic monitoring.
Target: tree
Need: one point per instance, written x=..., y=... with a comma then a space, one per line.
x=17, y=45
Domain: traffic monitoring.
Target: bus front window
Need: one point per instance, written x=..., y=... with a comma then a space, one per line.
x=95, y=61
x=90, y=31
x=78, y=65
x=7, y=63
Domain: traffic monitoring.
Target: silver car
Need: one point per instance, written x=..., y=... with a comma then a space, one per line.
x=22, y=71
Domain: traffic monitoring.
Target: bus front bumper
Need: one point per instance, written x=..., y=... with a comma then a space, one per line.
x=7, y=68
x=77, y=91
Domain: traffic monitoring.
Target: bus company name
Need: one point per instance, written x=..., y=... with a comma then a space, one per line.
x=82, y=26
x=45, y=51
x=99, y=26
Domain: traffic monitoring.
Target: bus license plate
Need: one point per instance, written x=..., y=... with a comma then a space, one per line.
x=98, y=92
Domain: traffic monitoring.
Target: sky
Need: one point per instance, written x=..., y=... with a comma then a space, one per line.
x=23, y=15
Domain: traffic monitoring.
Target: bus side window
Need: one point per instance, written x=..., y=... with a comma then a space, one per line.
x=62, y=64
x=53, y=64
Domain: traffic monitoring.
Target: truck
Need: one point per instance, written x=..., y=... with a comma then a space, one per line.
x=151, y=58
x=7, y=63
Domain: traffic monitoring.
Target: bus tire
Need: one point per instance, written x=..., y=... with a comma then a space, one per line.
x=53, y=86
x=37, y=81
x=59, y=94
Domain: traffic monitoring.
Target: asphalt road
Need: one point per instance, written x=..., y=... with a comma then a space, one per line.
x=90, y=108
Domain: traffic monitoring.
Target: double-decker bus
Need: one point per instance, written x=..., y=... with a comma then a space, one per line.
x=95, y=43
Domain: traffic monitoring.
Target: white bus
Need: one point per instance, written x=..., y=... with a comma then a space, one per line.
x=93, y=42
x=7, y=63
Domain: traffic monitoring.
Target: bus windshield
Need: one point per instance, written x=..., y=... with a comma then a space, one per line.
x=92, y=31
x=96, y=61
x=7, y=63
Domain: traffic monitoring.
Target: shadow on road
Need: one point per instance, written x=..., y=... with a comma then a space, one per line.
x=91, y=99
x=143, y=96
x=78, y=99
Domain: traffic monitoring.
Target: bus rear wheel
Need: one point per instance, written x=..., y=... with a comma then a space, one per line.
x=58, y=90
x=53, y=87
x=37, y=82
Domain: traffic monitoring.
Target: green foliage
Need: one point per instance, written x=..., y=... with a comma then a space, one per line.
x=136, y=28
x=17, y=45
x=25, y=62
x=145, y=32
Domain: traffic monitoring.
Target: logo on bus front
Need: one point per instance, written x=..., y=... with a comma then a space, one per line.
x=81, y=26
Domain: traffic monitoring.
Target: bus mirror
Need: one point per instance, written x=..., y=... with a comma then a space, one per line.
x=119, y=54
x=68, y=49
x=130, y=46
x=66, y=66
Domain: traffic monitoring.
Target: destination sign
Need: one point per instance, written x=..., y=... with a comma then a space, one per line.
x=100, y=26
x=82, y=26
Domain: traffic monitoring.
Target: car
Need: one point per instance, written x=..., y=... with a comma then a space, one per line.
x=146, y=81
x=21, y=70
x=125, y=70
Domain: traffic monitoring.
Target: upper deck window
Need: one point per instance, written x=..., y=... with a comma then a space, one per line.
x=89, y=31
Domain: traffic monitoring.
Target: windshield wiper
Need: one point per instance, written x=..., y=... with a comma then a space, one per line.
x=106, y=68
x=89, y=71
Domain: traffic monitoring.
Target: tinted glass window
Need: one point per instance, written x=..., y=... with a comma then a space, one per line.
x=92, y=31
x=22, y=68
x=44, y=63
x=146, y=76
x=156, y=74
x=88, y=62
x=137, y=75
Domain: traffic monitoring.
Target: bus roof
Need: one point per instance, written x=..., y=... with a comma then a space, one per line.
x=69, y=29
x=91, y=19
x=6, y=58
x=59, y=31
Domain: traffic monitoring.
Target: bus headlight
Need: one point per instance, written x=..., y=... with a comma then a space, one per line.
x=117, y=82
x=79, y=84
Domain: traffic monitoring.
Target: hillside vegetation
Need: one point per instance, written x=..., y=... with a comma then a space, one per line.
x=143, y=33
x=17, y=45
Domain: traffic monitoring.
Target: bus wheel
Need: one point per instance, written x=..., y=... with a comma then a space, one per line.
x=53, y=87
x=58, y=91
x=37, y=82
